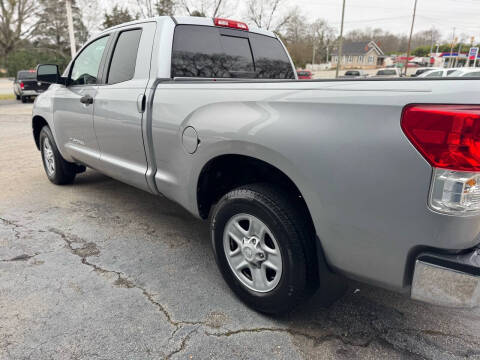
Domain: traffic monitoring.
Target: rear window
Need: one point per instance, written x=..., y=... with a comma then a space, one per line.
x=27, y=75
x=303, y=73
x=211, y=52
x=353, y=73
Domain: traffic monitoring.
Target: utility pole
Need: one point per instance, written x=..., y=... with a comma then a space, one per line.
x=410, y=38
x=313, y=55
x=73, y=50
x=340, y=43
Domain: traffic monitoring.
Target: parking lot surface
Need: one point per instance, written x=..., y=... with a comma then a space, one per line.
x=101, y=270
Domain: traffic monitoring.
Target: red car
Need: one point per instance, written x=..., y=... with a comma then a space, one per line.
x=304, y=74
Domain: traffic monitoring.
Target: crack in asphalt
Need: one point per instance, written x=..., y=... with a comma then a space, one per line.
x=14, y=225
x=318, y=340
x=183, y=345
x=87, y=249
x=123, y=281
x=22, y=257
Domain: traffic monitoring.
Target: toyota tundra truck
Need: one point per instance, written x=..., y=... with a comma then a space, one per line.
x=302, y=181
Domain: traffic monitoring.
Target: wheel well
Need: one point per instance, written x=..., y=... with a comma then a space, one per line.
x=226, y=172
x=37, y=124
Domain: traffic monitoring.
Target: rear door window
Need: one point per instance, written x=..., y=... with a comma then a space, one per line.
x=212, y=52
x=124, y=59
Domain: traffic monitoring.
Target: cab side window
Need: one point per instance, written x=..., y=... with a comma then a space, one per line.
x=122, y=67
x=86, y=65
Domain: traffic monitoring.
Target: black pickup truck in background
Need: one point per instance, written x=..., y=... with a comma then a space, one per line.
x=26, y=86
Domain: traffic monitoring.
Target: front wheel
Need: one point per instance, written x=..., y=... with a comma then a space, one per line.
x=263, y=248
x=59, y=171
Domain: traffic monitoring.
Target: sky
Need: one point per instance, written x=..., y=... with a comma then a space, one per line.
x=394, y=16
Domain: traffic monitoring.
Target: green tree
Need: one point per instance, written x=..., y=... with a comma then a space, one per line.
x=422, y=51
x=26, y=56
x=117, y=16
x=52, y=28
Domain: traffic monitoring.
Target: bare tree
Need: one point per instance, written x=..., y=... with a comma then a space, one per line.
x=16, y=23
x=208, y=8
x=265, y=14
x=146, y=8
x=90, y=10
x=151, y=8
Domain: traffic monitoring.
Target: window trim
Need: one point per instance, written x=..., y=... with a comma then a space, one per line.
x=100, y=67
x=111, y=52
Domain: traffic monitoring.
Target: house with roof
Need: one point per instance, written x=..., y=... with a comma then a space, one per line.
x=359, y=55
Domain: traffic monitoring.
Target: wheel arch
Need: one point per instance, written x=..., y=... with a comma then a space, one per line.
x=221, y=174
x=38, y=122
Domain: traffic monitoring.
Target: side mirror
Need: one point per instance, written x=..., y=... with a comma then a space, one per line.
x=49, y=73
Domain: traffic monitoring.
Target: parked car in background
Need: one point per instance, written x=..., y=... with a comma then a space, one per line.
x=388, y=73
x=26, y=86
x=422, y=70
x=304, y=75
x=355, y=74
x=436, y=73
x=466, y=72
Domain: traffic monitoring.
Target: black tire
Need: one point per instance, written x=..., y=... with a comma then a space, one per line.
x=287, y=223
x=17, y=97
x=24, y=99
x=64, y=172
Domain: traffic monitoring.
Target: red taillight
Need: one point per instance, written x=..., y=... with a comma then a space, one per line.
x=22, y=85
x=230, y=23
x=448, y=136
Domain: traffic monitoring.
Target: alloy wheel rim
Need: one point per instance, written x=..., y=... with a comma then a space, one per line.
x=48, y=157
x=252, y=253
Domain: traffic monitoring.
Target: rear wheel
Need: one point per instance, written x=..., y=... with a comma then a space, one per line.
x=24, y=99
x=58, y=170
x=17, y=97
x=264, y=249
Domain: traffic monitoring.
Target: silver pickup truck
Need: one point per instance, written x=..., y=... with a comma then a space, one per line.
x=303, y=181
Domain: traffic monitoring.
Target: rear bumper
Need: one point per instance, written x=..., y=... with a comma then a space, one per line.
x=30, y=93
x=448, y=280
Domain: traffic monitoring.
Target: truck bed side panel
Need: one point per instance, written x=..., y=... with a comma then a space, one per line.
x=341, y=143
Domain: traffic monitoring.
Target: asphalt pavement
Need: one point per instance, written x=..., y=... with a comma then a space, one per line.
x=101, y=270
